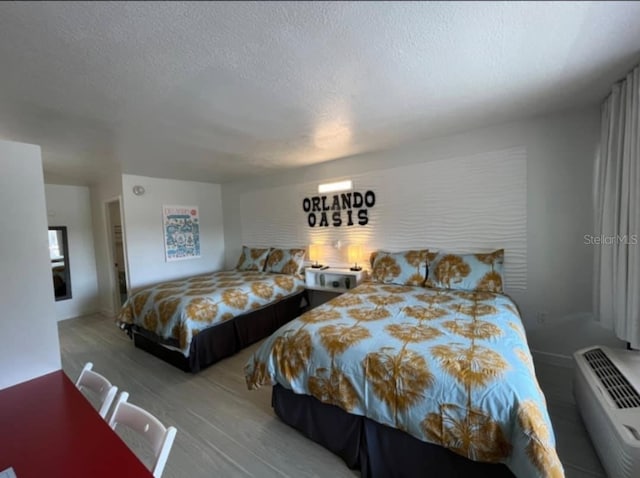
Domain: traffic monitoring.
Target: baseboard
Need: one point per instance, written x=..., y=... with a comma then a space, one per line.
x=83, y=314
x=107, y=313
x=558, y=360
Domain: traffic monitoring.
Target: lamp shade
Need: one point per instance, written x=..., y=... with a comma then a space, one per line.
x=354, y=252
x=314, y=252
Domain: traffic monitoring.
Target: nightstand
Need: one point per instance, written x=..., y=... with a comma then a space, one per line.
x=332, y=279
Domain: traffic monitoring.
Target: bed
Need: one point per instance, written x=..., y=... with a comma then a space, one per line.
x=411, y=381
x=195, y=322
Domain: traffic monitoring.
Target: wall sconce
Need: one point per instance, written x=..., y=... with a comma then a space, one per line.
x=314, y=255
x=337, y=186
x=354, y=253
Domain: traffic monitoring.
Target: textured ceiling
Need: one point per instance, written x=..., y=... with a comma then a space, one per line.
x=220, y=91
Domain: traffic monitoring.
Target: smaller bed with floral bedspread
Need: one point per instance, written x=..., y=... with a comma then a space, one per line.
x=447, y=368
x=195, y=322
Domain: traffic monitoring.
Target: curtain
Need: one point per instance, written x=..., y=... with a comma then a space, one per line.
x=617, y=212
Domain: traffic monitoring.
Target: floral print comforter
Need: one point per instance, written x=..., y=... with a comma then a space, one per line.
x=448, y=367
x=180, y=309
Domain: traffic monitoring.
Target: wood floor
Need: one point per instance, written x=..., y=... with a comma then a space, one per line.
x=225, y=430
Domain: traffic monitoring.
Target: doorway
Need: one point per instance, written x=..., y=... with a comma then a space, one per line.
x=116, y=247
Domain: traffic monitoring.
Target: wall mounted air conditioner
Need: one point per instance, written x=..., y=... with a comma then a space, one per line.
x=606, y=388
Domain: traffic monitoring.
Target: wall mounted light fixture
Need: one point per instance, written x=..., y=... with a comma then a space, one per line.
x=337, y=186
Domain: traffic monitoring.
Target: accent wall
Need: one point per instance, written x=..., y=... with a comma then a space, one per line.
x=467, y=204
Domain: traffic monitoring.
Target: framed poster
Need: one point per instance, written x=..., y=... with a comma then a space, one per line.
x=181, y=226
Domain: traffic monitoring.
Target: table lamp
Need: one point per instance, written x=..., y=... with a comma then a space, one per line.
x=314, y=255
x=354, y=252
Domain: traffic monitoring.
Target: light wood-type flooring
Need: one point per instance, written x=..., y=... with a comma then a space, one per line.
x=225, y=430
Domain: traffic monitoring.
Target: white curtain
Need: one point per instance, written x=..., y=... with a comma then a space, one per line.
x=617, y=212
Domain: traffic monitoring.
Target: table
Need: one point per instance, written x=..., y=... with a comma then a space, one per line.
x=326, y=283
x=48, y=428
x=332, y=279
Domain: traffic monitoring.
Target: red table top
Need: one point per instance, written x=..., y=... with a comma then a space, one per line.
x=48, y=428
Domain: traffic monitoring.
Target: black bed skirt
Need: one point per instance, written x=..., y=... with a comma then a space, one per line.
x=377, y=450
x=227, y=338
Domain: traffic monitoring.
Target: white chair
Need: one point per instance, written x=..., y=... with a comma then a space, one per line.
x=99, y=385
x=141, y=421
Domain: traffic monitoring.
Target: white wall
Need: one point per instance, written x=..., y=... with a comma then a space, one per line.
x=473, y=204
x=30, y=345
x=560, y=154
x=70, y=206
x=107, y=189
x=144, y=235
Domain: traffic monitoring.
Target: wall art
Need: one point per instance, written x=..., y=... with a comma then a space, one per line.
x=181, y=226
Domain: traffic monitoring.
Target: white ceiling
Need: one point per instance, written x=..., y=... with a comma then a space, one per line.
x=220, y=91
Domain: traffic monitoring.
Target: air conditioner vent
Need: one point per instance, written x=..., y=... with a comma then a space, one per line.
x=614, y=432
x=618, y=387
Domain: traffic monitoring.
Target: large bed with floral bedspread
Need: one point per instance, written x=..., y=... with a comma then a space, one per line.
x=194, y=322
x=412, y=381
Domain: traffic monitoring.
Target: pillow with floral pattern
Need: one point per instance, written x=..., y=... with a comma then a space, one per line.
x=476, y=272
x=252, y=259
x=285, y=261
x=402, y=268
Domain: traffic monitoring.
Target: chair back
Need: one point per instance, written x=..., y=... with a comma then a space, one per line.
x=159, y=437
x=99, y=385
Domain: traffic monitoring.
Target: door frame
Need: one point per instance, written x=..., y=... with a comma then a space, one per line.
x=115, y=292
